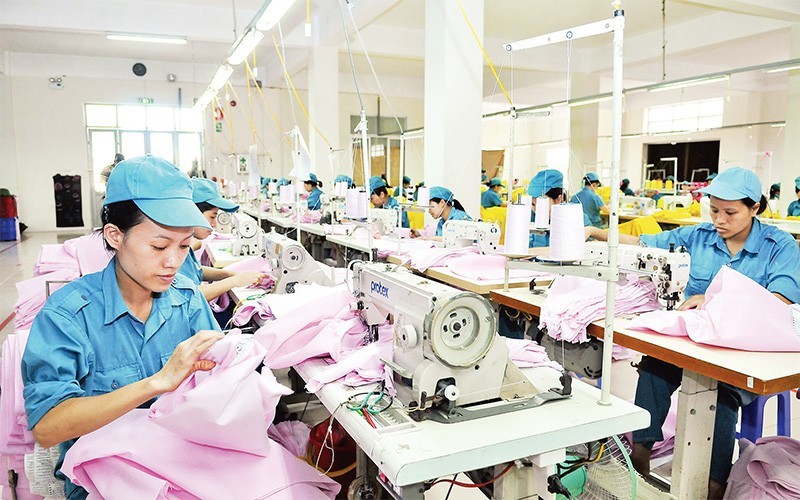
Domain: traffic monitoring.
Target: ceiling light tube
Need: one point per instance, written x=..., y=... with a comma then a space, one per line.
x=205, y=99
x=134, y=37
x=592, y=100
x=272, y=14
x=220, y=77
x=244, y=46
x=782, y=68
x=689, y=83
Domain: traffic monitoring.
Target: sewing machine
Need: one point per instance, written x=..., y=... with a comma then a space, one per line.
x=446, y=352
x=667, y=269
x=385, y=220
x=636, y=205
x=224, y=222
x=462, y=233
x=247, y=235
x=291, y=263
x=671, y=201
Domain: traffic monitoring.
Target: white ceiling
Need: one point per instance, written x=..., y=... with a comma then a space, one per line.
x=702, y=36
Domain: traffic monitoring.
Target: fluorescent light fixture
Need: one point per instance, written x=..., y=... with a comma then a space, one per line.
x=205, y=99
x=689, y=83
x=244, y=46
x=135, y=37
x=272, y=14
x=670, y=132
x=220, y=77
x=592, y=100
x=782, y=68
x=778, y=125
x=535, y=112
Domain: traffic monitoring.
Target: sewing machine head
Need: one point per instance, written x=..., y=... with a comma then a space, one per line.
x=671, y=202
x=224, y=222
x=247, y=235
x=291, y=263
x=446, y=352
x=462, y=233
x=636, y=205
x=386, y=219
x=667, y=269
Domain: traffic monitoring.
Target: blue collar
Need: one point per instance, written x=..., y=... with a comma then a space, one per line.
x=751, y=244
x=115, y=306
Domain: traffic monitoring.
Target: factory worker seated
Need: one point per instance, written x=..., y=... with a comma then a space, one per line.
x=443, y=207
x=379, y=196
x=491, y=197
x=312, y=187
x=794, y=206
x=625, y=187
x=590, y=200
x=403, y=193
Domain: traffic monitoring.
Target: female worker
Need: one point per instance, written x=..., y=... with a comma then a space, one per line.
x=736, y=239
x=589, y=199
x=443, y=207
x=313, y=186
x=491, y=197
x=344, y=178
x=209, y=202
x=112, y=341
x=403, y=193
x=794, y=206
x=380, y=198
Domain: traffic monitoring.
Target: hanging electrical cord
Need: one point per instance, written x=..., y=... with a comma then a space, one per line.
x=372, y=68
x=281, y=130
x=296, y=96
x=485, y=55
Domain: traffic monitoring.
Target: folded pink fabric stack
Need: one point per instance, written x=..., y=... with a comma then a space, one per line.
x=735, y=307
x=767, y=469
x=54, y=258
x=573, y=302
x=32, y=295
x=528, y=354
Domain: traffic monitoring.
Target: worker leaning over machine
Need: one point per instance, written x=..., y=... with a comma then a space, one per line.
x=379, y=196
x=113, y=341
x=735, y=238
x=312, y=186
x=491, y=197
x=443, y=207
x=590, y=200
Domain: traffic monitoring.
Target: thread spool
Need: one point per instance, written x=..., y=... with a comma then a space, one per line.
x=273, y=188
x=253, y=190
x=517, y=229
x=566, y=232
x=232, y=189
x=526, y=200
x=287, y=194
x=356, y=203
x=542, y=219
x=339, y=189
x=423, y=196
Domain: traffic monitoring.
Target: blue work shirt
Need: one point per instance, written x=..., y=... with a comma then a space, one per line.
x=191, y=268
x=770, y=257
x=591, y=205
x=629, y=192
x=86, y=342
x=455, y=214
x=794, y=209
x=543, y=239
x=314, y=202
x=491, y=199
x=393, y=203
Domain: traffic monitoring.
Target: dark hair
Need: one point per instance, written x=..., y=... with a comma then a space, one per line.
x=309, y=181
x=773, y=192
x=205, y=206
x=380, y=190
x=587, y=182
x=123, y=214
x=554, y=193
x=749, y=203
x=453, y=203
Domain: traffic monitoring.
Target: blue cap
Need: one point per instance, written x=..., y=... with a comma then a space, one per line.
x=312, y=178
x=735, y=184
x=375, y=182
x=495, y=182
x=544, y=181
x=343, y=178
x=591, y=177
x=777, y=186
x=205, y=191
x=483, y=177
x=711, y=177
x=671, y=178
x=797, y=183
x=160, y=190
x=441, y=193
x=283, y=181
x=626, y=181
x=406, y=179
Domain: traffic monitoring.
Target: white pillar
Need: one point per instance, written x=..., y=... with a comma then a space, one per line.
x=453, y=100
x=791, y=134
x=323, y=106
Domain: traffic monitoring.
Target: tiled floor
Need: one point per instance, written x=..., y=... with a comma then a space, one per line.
x=17, y=259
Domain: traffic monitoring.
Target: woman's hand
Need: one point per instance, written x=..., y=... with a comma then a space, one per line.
x=693, y=302
x=247, y=278
x=414, y=233
x=185, y=360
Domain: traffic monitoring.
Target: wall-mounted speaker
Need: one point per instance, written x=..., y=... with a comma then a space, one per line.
x=139, y=69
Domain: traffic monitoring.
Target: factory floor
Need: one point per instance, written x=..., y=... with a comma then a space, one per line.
x=17, y=259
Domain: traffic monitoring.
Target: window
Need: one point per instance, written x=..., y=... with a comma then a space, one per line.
x=684, y=116
x=174, y=134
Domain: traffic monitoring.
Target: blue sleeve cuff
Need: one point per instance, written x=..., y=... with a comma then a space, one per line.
x=41, y=397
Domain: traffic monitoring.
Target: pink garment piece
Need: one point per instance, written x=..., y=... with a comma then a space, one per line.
x=362, y=365
x=228, y=407
x=573, y=302
x=768, y=469
x=421, y=260
x=23, y=489
x=91, y=253
x=220, y=303
x=487, y=267
x=256, y=263
x=292, y=435
x=390, y=246
x=528, y=354
x=133, y=457
x=32, y=295
x=15, y=438
x=735, y=307
x=245, y=312
x=53, y=258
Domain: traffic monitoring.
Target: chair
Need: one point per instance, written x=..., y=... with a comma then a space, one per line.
x=753, y=416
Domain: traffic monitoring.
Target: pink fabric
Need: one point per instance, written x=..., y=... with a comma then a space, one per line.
x=133, y=457
x=53, y=258
x=359, y=366
x=15, y=438
x=487, y=267
x=768, y=469
x=203, y=255
x=421, y=260
x=292, y=435
x=230, y=406
x=573, y=302
x=389, y=246
x=91, y=253
x=735, y=308
x=272, y=306
x=23, y=488
x=257, y=264
x=529, y=354
x=246, y=310
x=32, y=295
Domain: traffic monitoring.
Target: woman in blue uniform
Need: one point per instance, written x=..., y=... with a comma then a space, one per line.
x=625, y=187
x=737, y=239
x=403, y=192
x=588, y=198
x=380, y=198
x=113, y=341
x=491, y=197
x=313, y=186
x=218, y=281
x=345, y=179
x=443, y=207
x=794, y=207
